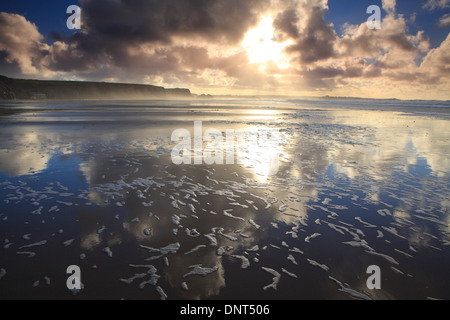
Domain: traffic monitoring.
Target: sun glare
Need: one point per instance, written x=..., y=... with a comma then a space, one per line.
x=262, y=48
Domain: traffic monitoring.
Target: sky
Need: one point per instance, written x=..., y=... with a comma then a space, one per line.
x=239, y=47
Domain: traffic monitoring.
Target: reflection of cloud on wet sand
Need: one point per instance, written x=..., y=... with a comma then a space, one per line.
x=397, y=139
x=199, y=287
x=136, y=198
x=24, y=155
x=160, y=210
x=138, y=205
x=90, y=241
x=375, y=158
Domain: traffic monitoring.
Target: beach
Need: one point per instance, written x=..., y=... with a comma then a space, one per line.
x=356, y=183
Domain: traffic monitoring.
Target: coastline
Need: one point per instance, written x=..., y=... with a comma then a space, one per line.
x=21, y=89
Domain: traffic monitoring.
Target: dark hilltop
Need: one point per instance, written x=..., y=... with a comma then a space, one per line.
x=21, y=89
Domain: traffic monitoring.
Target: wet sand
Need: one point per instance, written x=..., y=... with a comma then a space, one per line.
x=92, y=184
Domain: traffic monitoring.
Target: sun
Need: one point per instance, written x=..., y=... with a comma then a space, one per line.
x=261, y=46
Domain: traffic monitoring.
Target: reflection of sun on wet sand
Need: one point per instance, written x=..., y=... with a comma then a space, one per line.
x=353, y=188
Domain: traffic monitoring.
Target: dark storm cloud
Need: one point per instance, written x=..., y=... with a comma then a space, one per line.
x=286, y=23
x=113, y=29
x=313, y=37
x=327, y=77
x=156, y=20
x=324, y=73
x=10, y=69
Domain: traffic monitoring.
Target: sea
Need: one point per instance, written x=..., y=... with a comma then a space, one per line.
x=225, y=199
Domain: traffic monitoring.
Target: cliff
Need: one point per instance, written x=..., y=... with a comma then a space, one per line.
x=20, y=89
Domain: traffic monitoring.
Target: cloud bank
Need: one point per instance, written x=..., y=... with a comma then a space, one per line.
x=198, y=44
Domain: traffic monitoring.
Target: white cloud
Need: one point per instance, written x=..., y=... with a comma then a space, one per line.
x=21, y=42
x=389, y=5
x=436, y=4
x=437, y=61
x=444, y=21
